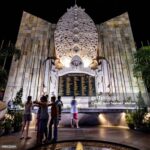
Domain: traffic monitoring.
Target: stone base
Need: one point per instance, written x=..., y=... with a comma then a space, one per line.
x=94, y=119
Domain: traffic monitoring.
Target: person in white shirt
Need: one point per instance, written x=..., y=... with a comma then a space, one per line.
x=74, y=113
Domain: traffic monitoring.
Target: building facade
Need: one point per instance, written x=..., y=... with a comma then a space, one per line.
x=75, y=46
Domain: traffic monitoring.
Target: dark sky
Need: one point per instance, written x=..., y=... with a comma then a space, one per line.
x=98, y=10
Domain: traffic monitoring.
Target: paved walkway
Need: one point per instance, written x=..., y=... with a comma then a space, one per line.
x=124, y=136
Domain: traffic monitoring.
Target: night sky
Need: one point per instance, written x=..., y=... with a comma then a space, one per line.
x=98, y=10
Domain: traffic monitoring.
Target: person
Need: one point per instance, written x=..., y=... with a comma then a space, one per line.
x=59, y=104
x=54, y=120
x=27, y=117
x=42, y=120
x=38, y=114
x=74, y=113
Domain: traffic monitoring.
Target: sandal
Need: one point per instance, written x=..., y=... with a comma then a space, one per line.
x=27, y=138
x=21, y=138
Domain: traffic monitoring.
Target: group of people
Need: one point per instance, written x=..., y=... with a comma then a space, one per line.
x=44, y=135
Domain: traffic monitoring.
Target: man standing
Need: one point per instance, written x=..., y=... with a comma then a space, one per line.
x=53, y=121
x=59, y=104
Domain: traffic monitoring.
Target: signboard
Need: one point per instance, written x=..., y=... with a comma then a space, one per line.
x=76, y=84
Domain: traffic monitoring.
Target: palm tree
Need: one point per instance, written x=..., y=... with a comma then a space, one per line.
x=5, y=53
x=9, y=51
x=142, y=64
x=3, y=79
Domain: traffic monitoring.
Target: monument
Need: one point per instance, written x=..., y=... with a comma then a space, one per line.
x=77, y=57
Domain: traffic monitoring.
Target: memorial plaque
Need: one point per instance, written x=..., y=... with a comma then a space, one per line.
x=76, y=84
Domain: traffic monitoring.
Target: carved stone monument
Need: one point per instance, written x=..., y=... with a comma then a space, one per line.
x=76, y=45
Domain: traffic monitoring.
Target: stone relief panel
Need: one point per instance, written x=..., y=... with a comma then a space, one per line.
x=76, y=34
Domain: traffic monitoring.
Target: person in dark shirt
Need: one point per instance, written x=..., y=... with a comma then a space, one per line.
x=43, y=119
x=54, y=120
x=59, y=104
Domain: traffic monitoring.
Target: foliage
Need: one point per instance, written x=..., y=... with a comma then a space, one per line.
x=17, y=122
x=2, y=128
x=10, y=51
x=12, y=121
x=140, y=103
x=8, y=122
x=3, y=79
x=129, y=118
x=18, y=98
x=7, y=53
x=140, y=111
x=142, y=64
x=137, y=116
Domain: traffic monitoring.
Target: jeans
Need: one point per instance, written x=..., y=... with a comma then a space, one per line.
x=54, y=120
x=43, y=128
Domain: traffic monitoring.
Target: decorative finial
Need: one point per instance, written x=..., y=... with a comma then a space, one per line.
x=75, y=2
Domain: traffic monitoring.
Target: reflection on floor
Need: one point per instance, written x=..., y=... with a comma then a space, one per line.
x=85, y=145
x=123, y=136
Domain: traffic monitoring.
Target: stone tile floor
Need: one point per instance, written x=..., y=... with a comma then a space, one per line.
x=124, y=136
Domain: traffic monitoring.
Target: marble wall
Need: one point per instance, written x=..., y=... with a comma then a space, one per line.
x=114, y=77
x=116, y=44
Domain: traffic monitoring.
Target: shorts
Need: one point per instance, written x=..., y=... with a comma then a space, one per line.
x=75, y=116
x=27, y=117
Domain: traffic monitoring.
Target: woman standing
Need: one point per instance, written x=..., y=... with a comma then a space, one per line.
x=27, y=117
x=74, y=112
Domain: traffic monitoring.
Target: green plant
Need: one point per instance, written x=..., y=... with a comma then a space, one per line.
x=7, y=53
x=8, y=122
x=129, y=118
x=142, y=64
x=18, y=98
x=2, y=127
x=3, y=79
x=128, y=100
x=137, y=116
x=17, y=122
x=140, y=112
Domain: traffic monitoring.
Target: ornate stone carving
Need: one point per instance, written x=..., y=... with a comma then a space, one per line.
x=76, y=34
x=76, y=61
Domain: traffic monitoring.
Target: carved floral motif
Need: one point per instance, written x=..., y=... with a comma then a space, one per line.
x=76, y=34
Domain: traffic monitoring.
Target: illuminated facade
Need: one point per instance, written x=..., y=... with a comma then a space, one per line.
x=76, y=45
